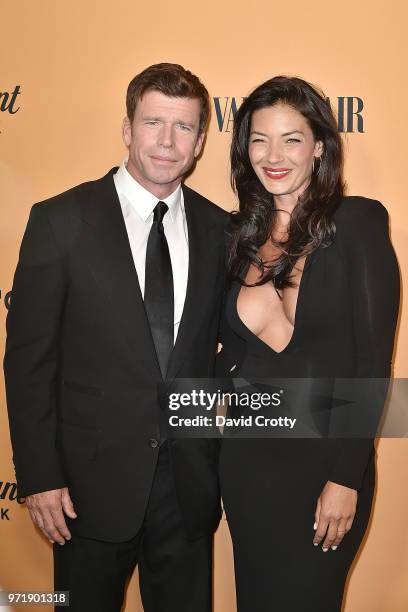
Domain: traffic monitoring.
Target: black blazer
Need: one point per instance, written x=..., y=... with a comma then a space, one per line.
x=346, y=316
x=81, y=369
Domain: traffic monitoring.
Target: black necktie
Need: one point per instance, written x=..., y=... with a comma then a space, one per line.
x=159, y=292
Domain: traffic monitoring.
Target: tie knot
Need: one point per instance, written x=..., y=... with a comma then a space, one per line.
x=159, y=211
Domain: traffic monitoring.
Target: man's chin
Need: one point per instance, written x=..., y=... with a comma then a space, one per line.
x=165, y=179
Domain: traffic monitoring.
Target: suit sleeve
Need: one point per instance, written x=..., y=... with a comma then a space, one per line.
x=375, y=285
x=31, y=356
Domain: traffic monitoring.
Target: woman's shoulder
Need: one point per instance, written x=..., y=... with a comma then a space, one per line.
x=359, y=217
x=358, y=209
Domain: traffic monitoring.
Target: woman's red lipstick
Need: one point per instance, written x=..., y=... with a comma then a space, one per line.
x=276, y=173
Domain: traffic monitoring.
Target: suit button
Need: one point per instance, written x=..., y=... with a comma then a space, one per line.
x=153, y=443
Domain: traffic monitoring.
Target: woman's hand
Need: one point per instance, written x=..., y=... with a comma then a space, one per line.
x=334, y=514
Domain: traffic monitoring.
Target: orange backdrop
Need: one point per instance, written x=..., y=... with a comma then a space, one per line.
x=65, y=67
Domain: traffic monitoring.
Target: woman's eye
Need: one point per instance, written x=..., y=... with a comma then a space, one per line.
x=293, y=140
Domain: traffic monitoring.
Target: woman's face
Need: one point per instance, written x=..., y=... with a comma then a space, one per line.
x=281, y=149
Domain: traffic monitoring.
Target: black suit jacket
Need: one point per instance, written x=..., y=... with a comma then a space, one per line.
x=81, y=369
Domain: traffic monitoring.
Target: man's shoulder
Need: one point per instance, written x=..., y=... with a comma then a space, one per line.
x=206, y=206
x=74, y=198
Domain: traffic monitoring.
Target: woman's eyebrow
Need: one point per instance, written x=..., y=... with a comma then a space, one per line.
x=294, y=132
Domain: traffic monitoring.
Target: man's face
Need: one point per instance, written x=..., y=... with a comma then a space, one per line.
x=163, y=141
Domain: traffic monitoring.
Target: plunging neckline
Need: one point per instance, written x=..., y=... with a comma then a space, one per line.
x=296, y=314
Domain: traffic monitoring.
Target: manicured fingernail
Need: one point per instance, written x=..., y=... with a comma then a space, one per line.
x=325, y=549
x=315, y=543
x=334, y=547
x=61, y=543
x=315, y=526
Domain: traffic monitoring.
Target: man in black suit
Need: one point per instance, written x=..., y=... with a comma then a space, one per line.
x=117, y=289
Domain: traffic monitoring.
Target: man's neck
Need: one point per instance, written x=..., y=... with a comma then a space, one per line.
x=161, y=192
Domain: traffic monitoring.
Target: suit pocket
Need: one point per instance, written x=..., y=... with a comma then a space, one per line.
x=79, y=409
x=77, y=442
x=85, y=389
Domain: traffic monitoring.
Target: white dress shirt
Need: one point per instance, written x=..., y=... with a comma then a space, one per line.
x=137, y=207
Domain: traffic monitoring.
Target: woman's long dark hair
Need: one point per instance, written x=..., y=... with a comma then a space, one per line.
x=311, y=224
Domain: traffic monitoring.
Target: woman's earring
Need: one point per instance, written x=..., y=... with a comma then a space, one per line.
x=320, y=165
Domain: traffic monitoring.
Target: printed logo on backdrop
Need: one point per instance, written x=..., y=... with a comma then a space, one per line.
x=9, y=104
x=8, y=496
x=349, y=111
x=8, y=100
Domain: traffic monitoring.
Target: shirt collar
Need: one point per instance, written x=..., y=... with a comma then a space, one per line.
x=141, y=200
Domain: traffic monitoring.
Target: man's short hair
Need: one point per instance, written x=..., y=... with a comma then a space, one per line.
x=171, y=80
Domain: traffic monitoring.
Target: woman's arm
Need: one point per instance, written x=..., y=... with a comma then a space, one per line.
x=375, y=290
x=375, y=283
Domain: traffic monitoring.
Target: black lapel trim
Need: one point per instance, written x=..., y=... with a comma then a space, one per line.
x=204, y=255
x=109, y=256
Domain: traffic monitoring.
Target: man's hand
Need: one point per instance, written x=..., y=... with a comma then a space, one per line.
x=334, y=514
x=47, y=512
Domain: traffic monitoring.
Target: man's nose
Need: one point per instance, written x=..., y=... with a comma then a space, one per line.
x=166, y=136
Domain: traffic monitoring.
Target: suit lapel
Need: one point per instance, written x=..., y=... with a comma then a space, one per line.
x=111, y=261
x=203, y=257
x=108, y=253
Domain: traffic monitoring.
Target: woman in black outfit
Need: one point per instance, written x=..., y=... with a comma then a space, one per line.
x=314, y=293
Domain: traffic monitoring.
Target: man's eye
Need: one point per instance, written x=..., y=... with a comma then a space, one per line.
x=184, y=128
x=151, y=122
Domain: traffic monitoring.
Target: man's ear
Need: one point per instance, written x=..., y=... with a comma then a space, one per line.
x=127, y=131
